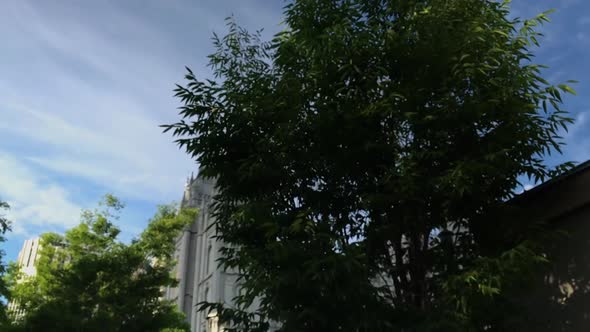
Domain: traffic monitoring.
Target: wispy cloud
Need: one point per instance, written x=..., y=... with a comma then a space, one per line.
x=580, y=123
x=99, y=121
x=577, y=139
x=84, y=87
x=127, y=161
x=37, y=203
x=99, y=83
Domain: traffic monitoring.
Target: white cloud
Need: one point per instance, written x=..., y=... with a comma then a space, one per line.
x=99, y=122
x=37, y=204
x=129, y=161
x=580, y=121
x=578, y=143
x=85, y=86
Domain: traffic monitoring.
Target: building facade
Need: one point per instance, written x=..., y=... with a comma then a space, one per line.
x=26, y=260
x=200, y=278
x=560, y=300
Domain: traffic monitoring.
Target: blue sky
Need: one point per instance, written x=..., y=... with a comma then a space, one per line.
x=83, y=88
x=85, y=84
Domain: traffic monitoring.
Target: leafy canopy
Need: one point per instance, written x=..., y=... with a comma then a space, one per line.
x=345, y=146
x=4, y=227
x=88, y=280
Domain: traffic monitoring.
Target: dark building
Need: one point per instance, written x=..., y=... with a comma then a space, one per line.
x=561, y=297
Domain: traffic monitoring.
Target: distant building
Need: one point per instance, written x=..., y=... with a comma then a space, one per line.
x=27, y=257
x=196, y=253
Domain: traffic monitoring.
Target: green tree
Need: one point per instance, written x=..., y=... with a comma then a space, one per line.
x=87, y=280
x=4, y=227
x=363, y=160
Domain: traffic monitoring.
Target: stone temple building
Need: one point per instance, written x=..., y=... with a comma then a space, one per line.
x=560, y=300
x=196, y=253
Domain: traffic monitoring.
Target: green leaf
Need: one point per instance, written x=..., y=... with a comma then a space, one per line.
x=567, y=89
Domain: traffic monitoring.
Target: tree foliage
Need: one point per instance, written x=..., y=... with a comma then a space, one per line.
x=88, y=280
x=4, y=227
x=364, y=158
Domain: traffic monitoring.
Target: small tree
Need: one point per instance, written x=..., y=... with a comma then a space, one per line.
x=87, y=280
x=363, y=159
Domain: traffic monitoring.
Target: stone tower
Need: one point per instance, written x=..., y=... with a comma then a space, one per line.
x=196, y=253
x=27, y=259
